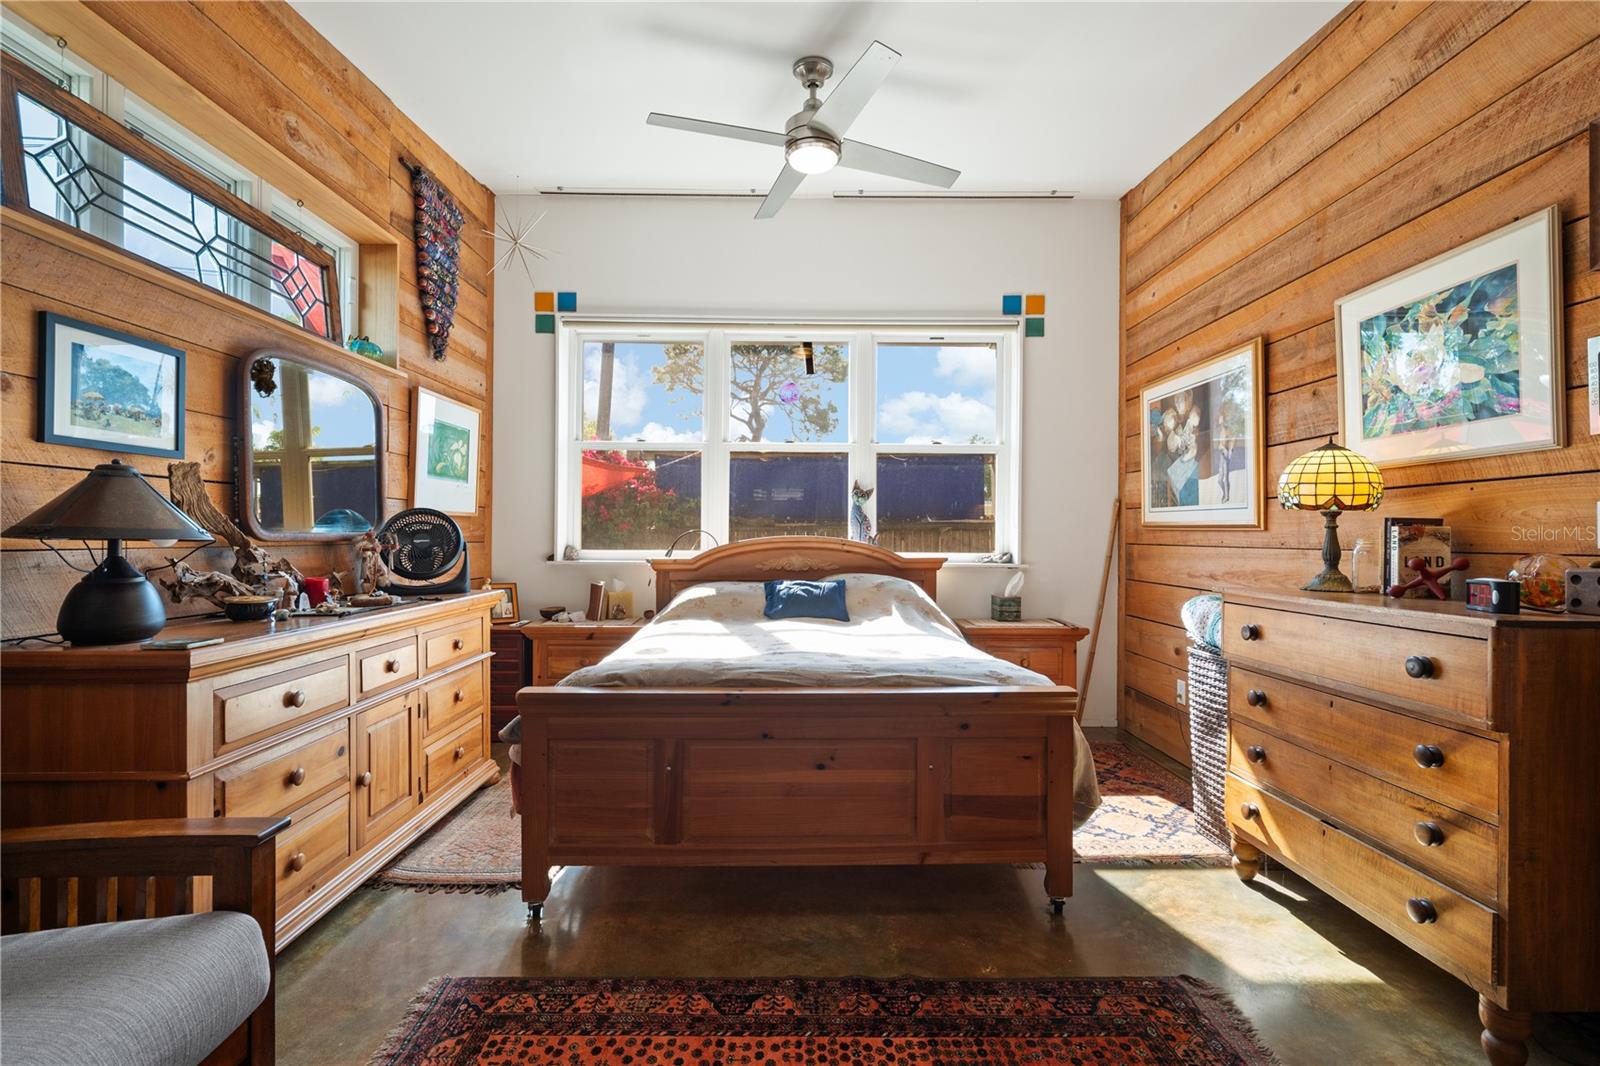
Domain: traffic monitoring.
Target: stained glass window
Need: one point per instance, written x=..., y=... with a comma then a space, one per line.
x=80, y=179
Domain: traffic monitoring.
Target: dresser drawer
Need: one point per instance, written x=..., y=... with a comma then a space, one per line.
x=1045, y=659
x=1454, y=847
x=446, y=760
x=446, y=701
x=287, y=776
x=1460, y=935
x=393, y=664
x=1455, y=670
x=313, y=847
x=250, y=708
x=442, y=647
x=1376, y=741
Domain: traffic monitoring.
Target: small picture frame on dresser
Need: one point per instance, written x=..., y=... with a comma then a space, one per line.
x=505, y=610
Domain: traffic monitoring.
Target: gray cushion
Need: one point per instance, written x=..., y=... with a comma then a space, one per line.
x=154, y=992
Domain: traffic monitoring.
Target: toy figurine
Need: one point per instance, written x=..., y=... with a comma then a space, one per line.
x=1427, y=577
x=860, y=524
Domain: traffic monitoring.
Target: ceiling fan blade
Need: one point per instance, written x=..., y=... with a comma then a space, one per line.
x=788, y=181
x=847, y=99
x=716, y=129
x=858, y=156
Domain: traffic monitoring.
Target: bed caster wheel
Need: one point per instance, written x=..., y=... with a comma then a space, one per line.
x=1057, y=904
x=535, y=913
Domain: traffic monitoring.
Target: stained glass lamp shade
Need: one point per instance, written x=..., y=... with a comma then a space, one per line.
x=1330, y=479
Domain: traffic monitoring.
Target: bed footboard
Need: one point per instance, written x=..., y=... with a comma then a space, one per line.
x=794, y=777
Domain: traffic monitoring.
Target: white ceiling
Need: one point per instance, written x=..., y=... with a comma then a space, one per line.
x=1086, y=98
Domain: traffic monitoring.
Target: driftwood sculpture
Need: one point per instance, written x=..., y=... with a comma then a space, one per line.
x=254, y=570
x=372, y=570
x=187, y=583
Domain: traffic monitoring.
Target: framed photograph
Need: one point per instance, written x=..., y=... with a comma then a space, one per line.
x=1459, y=356
x=504, y=609
x=444, y=454
x=1201, y=461
x=108, y=390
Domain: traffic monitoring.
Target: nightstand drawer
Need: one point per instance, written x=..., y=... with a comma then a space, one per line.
x=1455, y=768
x=1432, y=669
x=1442, y=924
x=1046, y=659
x=1456, y=848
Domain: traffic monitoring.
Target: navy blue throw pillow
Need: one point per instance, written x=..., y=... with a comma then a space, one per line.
x=806, y=599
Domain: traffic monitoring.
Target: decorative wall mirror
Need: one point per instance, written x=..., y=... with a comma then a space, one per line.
x=311, y=450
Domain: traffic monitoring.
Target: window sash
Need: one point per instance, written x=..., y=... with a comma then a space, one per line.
x=716, y=446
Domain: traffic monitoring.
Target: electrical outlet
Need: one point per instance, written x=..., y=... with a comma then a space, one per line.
x=1183, y=692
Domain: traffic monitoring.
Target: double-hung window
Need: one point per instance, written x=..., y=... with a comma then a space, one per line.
x=746, y=431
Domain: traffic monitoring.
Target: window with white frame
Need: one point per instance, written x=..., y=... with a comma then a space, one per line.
x=751, y=431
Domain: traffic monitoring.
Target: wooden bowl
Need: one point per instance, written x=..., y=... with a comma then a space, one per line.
x=547, y=613
x=249, y=608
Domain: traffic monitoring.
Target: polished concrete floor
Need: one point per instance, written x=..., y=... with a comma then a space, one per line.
x=1320, y=985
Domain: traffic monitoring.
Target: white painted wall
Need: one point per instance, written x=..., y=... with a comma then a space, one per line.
x=823, y=257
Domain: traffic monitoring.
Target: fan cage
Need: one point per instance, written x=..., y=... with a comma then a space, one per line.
x=427, y=543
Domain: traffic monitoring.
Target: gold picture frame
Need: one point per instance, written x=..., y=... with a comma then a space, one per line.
x=506, y=610
x=1202, y=453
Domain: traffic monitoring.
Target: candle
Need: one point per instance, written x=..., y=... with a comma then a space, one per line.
x=316, y=589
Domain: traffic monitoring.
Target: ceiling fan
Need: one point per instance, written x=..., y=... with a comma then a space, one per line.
x=814, y=141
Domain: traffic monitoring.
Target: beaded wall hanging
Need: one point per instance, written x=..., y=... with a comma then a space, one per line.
x=438, y=233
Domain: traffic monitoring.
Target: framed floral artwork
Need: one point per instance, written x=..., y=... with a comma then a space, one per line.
x=444, y=454
x=1459, y=356
x=1200, y=463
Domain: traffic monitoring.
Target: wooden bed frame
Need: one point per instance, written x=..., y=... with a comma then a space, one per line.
x=795, y=776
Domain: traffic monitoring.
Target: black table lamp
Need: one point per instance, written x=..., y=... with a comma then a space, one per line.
x=114, y=603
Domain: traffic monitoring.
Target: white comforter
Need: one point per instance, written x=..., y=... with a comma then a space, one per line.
x=715, y=636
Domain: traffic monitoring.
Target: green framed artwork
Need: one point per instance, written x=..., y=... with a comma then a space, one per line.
x=1459, y=356
x=445, y=454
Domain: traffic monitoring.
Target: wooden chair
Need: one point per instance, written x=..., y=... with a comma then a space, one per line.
x=55, y=877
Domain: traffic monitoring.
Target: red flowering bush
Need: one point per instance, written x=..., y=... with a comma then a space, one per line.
x=636, y=513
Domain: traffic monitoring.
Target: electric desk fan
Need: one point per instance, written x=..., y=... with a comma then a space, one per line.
x=423, y=545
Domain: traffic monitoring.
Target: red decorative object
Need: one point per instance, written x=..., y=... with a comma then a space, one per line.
x=316, y=589
x=1427, y=577
x=497, y=1021
x=438, y=234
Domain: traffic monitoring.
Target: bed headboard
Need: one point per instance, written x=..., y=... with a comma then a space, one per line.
x=801, y=558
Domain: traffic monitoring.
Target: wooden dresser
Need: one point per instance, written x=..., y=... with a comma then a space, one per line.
x=559, y=648
x=364, y=730
x=1044, y=645
x=509, y=673
x=1435, y=769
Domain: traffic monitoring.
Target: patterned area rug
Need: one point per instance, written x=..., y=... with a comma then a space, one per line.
x=476, y=849
x=1145, y=820
x=496, y=1021
x=1146, y=816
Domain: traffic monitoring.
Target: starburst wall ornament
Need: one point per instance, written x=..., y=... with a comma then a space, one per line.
x=518, y=239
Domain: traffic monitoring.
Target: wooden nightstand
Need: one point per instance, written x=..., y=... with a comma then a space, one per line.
x=508, y=671
x=559, y=648
x=1045, y=645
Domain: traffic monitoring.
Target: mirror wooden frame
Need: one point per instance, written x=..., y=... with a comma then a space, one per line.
x=246, y=459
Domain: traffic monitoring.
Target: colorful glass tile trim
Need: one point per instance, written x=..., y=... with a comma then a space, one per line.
x=566, y=302
x=544, y=301
x=79, y=179
x=438, y=233
x=544, y=323
x=1035, y=327
x=1034, y=304
x=1011, y=304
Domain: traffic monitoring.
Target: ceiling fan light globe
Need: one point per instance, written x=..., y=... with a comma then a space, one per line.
x=812, y=155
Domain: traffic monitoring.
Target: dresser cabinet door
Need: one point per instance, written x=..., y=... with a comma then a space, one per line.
x=385, y=768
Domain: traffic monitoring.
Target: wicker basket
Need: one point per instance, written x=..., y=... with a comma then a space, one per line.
x=1208, y=739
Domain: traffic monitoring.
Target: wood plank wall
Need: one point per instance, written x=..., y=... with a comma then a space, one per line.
x=1399, y=132
x=270, y=72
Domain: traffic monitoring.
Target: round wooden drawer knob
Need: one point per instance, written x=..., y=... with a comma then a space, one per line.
x=295, y=698
x=364, y=779
x=1422, y=911
x=1428, y=756
x=1025, y=662
x=297, y=776
x=461, y=752
x=1249, y=631
x=1256, y=753
x=1256, y=698
x=1428, y=834
x=298, y=862
x=391, y=666
x=1419, y=666
x=457, y=644
x=459, y=695
x=1250, y=811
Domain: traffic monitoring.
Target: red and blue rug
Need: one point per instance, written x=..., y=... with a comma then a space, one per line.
x=1084, y=1021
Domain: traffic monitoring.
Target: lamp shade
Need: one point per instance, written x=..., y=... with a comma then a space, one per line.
x=112, y=503
x=1331, y=478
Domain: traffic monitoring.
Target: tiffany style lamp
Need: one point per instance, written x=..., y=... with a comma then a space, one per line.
x=1330, y=479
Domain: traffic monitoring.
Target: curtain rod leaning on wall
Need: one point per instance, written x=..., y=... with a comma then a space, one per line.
x=911, y=323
